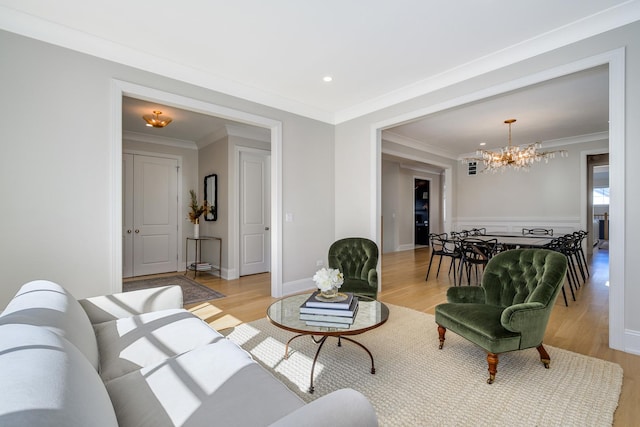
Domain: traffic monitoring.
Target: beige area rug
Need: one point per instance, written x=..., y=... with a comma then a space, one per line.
x=416, y=384
x=192, y=291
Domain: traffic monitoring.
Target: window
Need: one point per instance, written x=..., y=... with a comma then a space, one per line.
x=601, y=196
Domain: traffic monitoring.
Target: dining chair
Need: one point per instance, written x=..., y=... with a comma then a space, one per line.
x=443, y=247
x=558, y=245
x=538, y=231
x=581, y=235
x=459, y=234
x=478, y=231
x=475, y=254
x=573, y=244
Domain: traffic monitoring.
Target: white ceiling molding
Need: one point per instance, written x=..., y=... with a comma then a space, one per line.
x=212, y=137
x=162, y=140
x=420, y=169
x=249, y=132
x=417, y=145
x=416, y=158
x=609, y=19
x=579, y=139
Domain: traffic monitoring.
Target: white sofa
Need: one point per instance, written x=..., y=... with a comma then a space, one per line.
x=139, y=359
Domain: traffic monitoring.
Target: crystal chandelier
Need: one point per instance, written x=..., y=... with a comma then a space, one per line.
x=515, y=157
x=155, y=120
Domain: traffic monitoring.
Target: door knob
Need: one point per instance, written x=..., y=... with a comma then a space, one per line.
x=137, y=231
x=128, y=231
x=266, y=228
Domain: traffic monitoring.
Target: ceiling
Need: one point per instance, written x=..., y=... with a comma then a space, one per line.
x=378, y=52
x=567, y=109
x=188, y=128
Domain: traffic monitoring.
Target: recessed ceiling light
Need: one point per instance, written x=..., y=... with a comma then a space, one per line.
x=327, y=79
x=482, y=144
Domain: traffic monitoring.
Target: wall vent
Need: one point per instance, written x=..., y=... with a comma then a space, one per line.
x=473, y=168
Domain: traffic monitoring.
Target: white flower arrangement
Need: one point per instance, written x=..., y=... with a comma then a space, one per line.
x=328, y=278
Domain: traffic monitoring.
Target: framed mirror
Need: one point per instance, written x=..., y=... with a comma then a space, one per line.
x=211, y=196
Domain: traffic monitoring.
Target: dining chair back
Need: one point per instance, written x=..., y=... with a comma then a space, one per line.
x=475, y=254
x=537, y=231
x=441, y=246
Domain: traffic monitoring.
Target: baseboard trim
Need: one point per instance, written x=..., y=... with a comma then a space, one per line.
x=632, y=341
x=298, y=286
x=406, y=247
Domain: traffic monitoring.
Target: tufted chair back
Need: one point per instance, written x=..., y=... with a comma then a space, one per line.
x=523, y=276
x=357, y=259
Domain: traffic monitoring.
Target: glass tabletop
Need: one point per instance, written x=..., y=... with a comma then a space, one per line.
x=285, y=313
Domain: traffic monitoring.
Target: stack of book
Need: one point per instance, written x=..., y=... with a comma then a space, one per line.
x=321, y=312
x=201, y=266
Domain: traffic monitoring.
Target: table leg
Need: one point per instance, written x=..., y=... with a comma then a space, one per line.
x=373, y=368
x=320, y=343
x=286, y=348
x=315, y=359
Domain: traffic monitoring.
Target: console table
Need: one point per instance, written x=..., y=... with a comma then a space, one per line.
x=198, y=266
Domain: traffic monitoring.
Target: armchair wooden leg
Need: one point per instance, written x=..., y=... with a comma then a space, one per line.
x=544, y=356
x=441, y=332
x=492, y=360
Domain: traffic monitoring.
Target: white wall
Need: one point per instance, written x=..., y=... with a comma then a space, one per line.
x=391, y=206
x=397, y=198
x=213, y=159
x=56, y=169
x=358, y=137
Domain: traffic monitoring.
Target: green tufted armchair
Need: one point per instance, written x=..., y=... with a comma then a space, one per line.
x=356, y=258
x=511, y=308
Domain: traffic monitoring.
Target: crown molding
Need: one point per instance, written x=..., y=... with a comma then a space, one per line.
x=212, y=137
x=249, y=132
x=606, y=20
x=579, y=139
x=162, y=140
x=560, y=142
x=413, y=168
x=417, y=145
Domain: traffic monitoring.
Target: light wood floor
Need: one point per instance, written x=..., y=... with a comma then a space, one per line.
x=582, y=327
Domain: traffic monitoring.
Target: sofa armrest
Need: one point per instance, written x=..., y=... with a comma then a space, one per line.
x=467, y=294
x=126, y=304
x=341, y=408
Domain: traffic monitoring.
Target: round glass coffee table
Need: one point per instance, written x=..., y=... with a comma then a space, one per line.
x=285, y=314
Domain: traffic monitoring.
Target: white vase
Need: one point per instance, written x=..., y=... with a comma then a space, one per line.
x=196, y=231
x=330, y=293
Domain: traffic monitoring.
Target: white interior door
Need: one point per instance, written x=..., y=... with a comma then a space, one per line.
x=150, y=215
x=127, y=215
x=255, y=210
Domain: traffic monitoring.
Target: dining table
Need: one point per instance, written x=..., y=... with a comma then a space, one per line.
x=517, y=240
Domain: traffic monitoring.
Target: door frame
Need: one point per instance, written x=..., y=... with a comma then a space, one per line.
x=235, y=235
x=179, y=201
x=120, y=89
x=619, y=339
